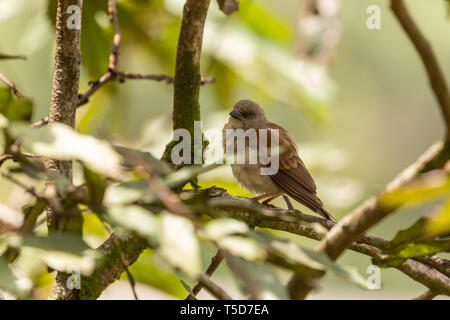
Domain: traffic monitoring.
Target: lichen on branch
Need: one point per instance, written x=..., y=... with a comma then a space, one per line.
x=187, y=82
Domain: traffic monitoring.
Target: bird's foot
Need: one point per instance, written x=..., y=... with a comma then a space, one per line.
x=263, y=196
x=288, y=202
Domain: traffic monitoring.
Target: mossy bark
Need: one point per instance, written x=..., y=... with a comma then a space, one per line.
x=65, y=93
x=63, y=108
x=118, y=252
x=186, y=107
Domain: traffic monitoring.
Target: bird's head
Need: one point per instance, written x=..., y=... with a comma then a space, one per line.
x=248, y=114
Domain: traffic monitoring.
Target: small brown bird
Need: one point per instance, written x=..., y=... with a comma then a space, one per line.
x=291, y=179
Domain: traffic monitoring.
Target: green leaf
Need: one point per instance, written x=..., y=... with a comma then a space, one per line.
x=3, y=122
x=60, y=252
x=60, y=142
x=243, y=247
x=265, y=23
x=423, y=189
x=8, y=282
x=256, y=279
x=228, y=234
x=128, y=192
x=218, y=229
x=403, y=238
x=439, y=223
x=67, y=243
x=179, y=245
x=136, y=219
x=146, y=270
x=18, y=110
x=161, y=167
x=412, y=251
x=186, y=174
x=5, y=97
x=14, y=109
x=415, y=241
x=189, y=290
x=96, y=187
x=308, y=261
x=31, y=213
x=95, y=40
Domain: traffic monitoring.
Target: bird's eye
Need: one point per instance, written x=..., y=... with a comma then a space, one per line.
x=247, y=115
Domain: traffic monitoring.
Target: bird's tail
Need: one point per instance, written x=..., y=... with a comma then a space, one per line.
x=324, y=213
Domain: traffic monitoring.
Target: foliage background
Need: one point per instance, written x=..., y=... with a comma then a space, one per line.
x=374, y=115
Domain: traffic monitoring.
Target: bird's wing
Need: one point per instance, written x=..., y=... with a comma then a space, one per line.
x=291, y=165
x=293, y=177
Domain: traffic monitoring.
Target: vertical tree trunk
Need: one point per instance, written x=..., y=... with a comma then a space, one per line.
x=66, y=79
x=63, y=108
x=186, y=107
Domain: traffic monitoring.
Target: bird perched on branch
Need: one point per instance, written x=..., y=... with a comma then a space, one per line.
x=292, y=178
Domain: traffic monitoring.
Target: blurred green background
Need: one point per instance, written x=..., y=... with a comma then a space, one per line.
x=358, y=104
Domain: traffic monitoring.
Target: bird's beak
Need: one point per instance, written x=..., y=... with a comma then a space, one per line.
x=236, y=114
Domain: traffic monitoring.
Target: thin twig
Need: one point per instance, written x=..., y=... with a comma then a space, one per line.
x=132, y=283
x=112, y=74
x=12, y=86
x=213, y=288
x=5, y=157
x=117, y=40
x=11, y=57
x=429, y=295
x=424, y=49
x=155, y=77
x=215, y=263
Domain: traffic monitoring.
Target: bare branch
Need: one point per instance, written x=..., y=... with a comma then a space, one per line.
x=112, y=74
x=423, y=47
x=429, y=295
x=11, y=85
x=219, y=206
x=114, y=56
x=353, y=225
x=155, y=77
x=213, y=288
x=215, y=263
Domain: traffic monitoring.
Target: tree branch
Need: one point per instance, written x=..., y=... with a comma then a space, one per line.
x=112, y=74
x=425, y=51
x=66, y=78
x=118, y=253
x=222, y=205
x=429, y=295
x=186, y=107
x=213, y=288
x=353, y=225
x=371, y=212
x=11, y=85
x=215, y=263
x=62, y=109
